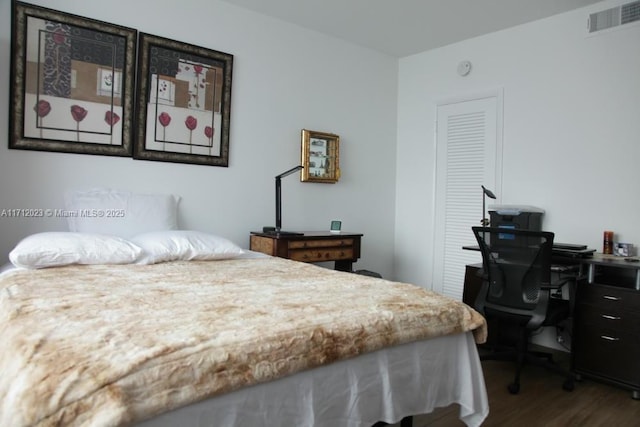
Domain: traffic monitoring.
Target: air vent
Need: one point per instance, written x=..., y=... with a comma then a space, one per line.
x=614, y=17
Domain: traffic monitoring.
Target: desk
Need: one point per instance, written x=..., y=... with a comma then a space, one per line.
x=606, y=319
x=616, y=262
x=312, y=246
x=606, y=324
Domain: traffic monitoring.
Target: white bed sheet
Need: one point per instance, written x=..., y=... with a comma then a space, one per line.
x=385, y=385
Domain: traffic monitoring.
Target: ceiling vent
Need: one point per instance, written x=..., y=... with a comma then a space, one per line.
x=614, y=17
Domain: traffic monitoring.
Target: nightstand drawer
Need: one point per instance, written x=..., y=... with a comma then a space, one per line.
x=318, y=255
x=311, y=246
x=304, y=244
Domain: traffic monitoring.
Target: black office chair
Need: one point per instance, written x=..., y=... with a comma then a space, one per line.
x=516, y=290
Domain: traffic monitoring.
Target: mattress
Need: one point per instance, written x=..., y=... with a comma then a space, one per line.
x=118, y=344
x=385, y=385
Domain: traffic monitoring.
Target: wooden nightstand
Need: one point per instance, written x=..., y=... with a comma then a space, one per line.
x=313, y=246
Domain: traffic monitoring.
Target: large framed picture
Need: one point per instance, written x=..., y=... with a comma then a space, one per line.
x=72, y=83
x=320, y=157
x=184, y=102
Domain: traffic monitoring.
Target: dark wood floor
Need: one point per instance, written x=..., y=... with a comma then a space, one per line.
x=543, y=402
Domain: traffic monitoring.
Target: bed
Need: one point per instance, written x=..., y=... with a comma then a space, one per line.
x=198, y=332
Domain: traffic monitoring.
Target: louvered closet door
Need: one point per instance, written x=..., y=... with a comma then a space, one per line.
x=468, y=156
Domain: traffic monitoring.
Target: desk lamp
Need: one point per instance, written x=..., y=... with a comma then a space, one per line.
x=278, y=227
x=485, y=193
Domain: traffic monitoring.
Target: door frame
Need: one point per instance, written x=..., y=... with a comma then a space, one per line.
x=497, y=93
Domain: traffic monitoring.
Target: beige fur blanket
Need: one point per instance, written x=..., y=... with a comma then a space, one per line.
x=112, y=345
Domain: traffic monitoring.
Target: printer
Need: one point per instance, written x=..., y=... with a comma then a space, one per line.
x=519, y=217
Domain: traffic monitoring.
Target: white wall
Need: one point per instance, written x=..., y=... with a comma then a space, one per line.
x=571, y=130
x=285, y=78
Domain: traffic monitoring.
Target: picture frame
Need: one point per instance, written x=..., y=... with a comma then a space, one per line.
x=72, y=83
x=183, y=102
x=320, y=157
x=336, y=226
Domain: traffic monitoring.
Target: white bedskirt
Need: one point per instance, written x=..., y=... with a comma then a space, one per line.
x=385, y=385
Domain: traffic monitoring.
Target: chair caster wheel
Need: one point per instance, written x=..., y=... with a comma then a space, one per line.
x=568, y=385
x=514, y=388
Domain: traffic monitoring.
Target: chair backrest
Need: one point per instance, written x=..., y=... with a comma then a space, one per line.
x=517, y=273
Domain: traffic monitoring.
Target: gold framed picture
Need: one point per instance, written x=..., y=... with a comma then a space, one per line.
x=320, y=157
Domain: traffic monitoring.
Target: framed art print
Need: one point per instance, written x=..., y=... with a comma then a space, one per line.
x=184, y=102
x=72, y=81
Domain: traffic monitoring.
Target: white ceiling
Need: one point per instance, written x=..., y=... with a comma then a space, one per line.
x=405, y=27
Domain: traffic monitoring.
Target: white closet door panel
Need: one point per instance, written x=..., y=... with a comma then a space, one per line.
x=466, y=159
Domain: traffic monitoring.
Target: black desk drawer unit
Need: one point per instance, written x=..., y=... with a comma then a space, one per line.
x=606, y=334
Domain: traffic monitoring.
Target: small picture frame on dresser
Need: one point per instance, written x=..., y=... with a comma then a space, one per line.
x=335, y=226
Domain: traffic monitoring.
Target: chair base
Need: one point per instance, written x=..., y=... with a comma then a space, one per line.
x=528, y=357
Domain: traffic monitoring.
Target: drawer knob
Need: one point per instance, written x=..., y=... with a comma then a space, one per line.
x=608, y=338
x=609, y=317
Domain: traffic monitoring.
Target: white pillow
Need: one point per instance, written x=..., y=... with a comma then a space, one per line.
x=52, y=249
x=161, y=246
x=120, y=213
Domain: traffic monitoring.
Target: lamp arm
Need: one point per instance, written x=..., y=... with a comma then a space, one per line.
x=290, y=171
x=484, y=211
x=279, y=194
x=278, y=203
x=485, y=193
